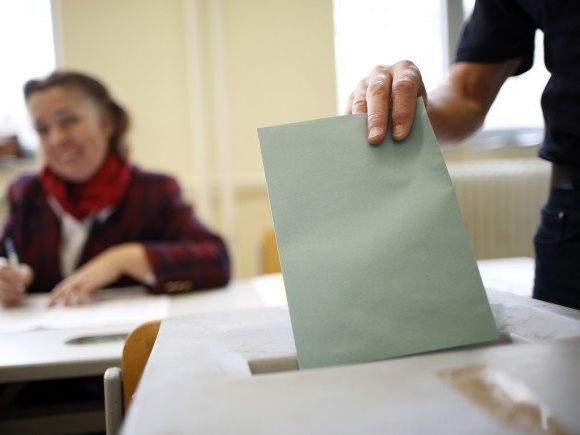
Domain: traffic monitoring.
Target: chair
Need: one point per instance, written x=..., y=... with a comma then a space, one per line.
x=270, y=259
x=120, y=384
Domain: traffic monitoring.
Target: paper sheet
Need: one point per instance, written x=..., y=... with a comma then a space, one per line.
x=130, y=306
x=375, y=255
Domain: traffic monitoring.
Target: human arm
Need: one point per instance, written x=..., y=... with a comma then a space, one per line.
x=186, y=255
x=153, y=238
x=124, y=259
x=14, y=277
x=456, y=108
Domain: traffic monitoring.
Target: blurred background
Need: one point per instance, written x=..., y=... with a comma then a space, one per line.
x=200, y=76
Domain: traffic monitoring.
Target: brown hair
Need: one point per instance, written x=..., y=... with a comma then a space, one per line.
x=95, y=90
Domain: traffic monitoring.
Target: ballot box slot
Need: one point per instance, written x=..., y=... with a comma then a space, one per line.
x=273, y=365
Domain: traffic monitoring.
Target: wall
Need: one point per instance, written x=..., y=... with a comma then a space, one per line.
x=199, y=76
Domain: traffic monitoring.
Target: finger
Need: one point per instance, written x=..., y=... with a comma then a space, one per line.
x=78, y=293
x=18, y=278
x=11, y=282
x=26, y=274
x=12, y=299
x=53, y=299
x=13, y=289
x=8, y=274
x=69, y=296
x=359, y=98
x=407, y=86
x=61, y=292
x=57, y=294
x=378, y=96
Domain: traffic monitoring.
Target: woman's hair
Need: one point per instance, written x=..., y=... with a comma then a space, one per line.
x=95, y=90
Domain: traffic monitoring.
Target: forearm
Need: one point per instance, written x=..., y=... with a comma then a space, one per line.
x=457, y=108
x=453, y=117
x=197, y=264
x=132, y=260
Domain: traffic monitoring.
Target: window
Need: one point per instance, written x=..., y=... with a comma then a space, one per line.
x=518, y=102
x=372, y=32
x=27, y=51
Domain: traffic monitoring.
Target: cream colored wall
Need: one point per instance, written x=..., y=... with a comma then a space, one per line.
x=264, y=62
x=136, y=47
x=281, y=59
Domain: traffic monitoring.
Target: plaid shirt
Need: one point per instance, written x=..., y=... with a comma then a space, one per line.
x=183, y=253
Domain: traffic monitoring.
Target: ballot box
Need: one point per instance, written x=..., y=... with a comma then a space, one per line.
x=236, y=372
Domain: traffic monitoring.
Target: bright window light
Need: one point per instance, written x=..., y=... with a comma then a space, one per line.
x=518, y=102
x=373, y=32
x=27, y=51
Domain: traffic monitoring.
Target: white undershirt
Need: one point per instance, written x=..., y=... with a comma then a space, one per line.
x=74, y=234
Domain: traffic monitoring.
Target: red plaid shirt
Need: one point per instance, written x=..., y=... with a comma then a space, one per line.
x=183, y=253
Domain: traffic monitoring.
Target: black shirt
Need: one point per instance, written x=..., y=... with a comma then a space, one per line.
x=500, y=30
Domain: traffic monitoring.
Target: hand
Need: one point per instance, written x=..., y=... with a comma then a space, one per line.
x=389, y=92
x=13, y=282
x=104, y=269
x=78, y=287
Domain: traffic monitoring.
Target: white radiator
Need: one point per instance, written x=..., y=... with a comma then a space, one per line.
x=500, y=200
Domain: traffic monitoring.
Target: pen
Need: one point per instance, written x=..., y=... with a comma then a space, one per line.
x=12, y=257
x=11, y=253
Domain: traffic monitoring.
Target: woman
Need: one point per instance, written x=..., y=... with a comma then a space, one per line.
x=89, y=219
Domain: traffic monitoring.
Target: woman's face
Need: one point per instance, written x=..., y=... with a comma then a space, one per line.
x=73, y=132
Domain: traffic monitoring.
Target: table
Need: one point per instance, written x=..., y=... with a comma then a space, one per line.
x=47, y=354
x=236, y=373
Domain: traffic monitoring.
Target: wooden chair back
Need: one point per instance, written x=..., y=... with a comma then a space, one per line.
x=270, y=259
x=136, y=352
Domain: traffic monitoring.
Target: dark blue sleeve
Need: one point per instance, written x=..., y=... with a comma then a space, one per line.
x=498, y=30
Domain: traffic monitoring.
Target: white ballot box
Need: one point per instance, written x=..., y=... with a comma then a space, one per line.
x=236, y=372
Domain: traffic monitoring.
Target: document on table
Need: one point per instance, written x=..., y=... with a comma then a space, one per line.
x=375, y=256
x=129, y=306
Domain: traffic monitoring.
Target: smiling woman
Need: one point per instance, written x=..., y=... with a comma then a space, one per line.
x=89, y=219
x=72, y=128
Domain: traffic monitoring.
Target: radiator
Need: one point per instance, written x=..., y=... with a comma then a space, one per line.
x=500, y=200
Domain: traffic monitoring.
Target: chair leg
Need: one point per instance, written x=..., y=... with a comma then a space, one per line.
x=113, y=400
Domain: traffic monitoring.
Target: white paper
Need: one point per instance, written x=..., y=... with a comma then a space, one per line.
x=130, y=306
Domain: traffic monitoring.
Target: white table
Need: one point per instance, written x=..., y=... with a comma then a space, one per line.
x=49, y=354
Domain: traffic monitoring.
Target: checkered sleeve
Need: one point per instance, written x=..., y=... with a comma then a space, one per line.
x=188, y=256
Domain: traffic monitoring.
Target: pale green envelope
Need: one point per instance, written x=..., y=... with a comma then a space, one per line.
x=375, y=255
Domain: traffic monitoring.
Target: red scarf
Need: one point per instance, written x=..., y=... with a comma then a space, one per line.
x=106, y=188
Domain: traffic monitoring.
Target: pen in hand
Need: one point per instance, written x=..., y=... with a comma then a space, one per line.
x=12, y=255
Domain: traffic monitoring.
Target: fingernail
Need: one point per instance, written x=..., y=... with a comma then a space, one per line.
x=398, y=131
x=375, y=132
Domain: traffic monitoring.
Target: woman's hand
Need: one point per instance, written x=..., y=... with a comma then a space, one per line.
x=104, y=269
x=13, y=282
x=388, y=93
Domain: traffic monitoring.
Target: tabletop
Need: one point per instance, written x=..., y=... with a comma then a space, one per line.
x=36, y=343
